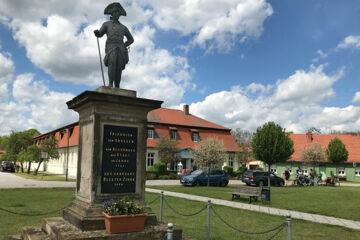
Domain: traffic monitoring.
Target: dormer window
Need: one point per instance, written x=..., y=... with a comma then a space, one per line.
x=173, y=133
x=151, y=133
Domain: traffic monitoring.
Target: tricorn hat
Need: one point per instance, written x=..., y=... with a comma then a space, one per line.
x=113, y=7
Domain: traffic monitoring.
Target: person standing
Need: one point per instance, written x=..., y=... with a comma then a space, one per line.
x=287, y=176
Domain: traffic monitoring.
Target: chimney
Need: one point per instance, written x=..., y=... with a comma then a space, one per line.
x=186, y=109
x=309, y=136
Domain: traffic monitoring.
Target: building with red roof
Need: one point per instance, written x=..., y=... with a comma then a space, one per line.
x=349, y=170
x=178, y=125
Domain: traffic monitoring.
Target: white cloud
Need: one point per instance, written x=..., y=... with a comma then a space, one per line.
x=6, y=74
x=350, y=42
x=34, y=106
x=217, y=24
x=295, y=104
x=356, y=98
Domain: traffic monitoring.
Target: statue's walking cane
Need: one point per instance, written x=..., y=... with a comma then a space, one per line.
x=102, y=70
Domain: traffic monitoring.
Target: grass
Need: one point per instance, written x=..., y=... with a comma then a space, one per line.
x=35, y=201
x=43, y=177
x=245, y=220
x=341, y=202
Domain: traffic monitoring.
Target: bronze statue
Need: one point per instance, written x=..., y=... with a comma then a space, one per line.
x=116, y=50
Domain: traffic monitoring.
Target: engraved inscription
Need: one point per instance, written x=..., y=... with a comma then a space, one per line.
x=119, y=159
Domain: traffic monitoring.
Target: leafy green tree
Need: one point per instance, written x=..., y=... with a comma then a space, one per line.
x=167, y=149
x=19, y=141
x=336, y=152
x=271, y=144
x=4, y=142
x=30, y=154
x=210, y=153
x=48, y=145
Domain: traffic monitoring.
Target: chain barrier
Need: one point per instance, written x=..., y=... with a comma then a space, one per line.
x=250, y=233
x=30, y=215
x=185, y=215
x=277, y=233
x=153, y=200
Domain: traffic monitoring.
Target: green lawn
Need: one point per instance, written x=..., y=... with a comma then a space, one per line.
x=30, y=202
x=342, y=202
x=44, y=177
x=245, y=220
x=37, y=201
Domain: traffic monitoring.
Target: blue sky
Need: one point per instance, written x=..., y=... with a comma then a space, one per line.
x=238, y=63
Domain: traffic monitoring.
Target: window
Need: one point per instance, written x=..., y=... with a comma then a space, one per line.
x=150, y=159
x=173, y=134
x=151, y=133
x=341, y=171
x=231, y=160
x=357, y=171
x=273, y=169
x=195, y=136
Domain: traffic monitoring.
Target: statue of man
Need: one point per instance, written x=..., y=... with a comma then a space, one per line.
x=116, y=50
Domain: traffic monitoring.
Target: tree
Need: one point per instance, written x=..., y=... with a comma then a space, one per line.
x=336, y=152
x=19, y=141
x=271, y=144
x=313, y=154
x=30, y=154
x=48, y=145
x=210, y=153
x=4, y=142
x=242, y=137
x=314, y=130
x=167, y=149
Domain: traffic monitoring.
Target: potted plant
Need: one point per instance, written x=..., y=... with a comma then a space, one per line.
x=123, y=215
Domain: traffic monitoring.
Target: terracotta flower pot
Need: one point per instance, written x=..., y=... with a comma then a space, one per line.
x=124, y=223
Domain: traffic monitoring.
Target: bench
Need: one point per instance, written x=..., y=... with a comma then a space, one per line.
x=252, y=192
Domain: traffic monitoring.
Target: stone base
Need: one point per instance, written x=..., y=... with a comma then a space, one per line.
x=87, y=217
x=84, y=216
x=59, y=229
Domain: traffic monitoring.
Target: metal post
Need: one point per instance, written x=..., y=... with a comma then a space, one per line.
x=288, y=223
x=208, y=221
x=170, y=231
x=161, y=205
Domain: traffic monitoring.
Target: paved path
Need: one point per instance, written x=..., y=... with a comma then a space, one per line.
x=269, y=210
x=231, y=182
x=8, y=180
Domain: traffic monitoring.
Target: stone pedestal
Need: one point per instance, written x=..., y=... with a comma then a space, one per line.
x=112, y=152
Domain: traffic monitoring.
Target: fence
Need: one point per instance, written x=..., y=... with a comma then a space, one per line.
x=276, y=230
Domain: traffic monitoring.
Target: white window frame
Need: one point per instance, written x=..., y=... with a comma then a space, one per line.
x=273, y=169
x=357, y=171
x=341, y=171
x=150, y=159
x=151, y=133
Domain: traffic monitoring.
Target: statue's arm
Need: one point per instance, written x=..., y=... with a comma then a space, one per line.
x=102, y=31
x=129, y=38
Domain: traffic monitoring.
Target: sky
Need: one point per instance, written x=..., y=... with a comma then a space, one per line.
x=238, y=63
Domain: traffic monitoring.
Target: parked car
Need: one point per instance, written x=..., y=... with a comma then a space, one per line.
x=200, y=177
x=7, y=166
x=260, y=178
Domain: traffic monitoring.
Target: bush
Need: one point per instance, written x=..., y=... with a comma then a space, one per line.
x=174, y=176
x=171, y=171
x=150, y=176
x=164, y=177
x=160, y=168
x=17, y=168
x=229, y=171
x=259, y=168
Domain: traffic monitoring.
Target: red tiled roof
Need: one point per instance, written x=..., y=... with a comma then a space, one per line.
x=352, y=144
x=185, y=141
x=162, y=120
x=177, y=117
